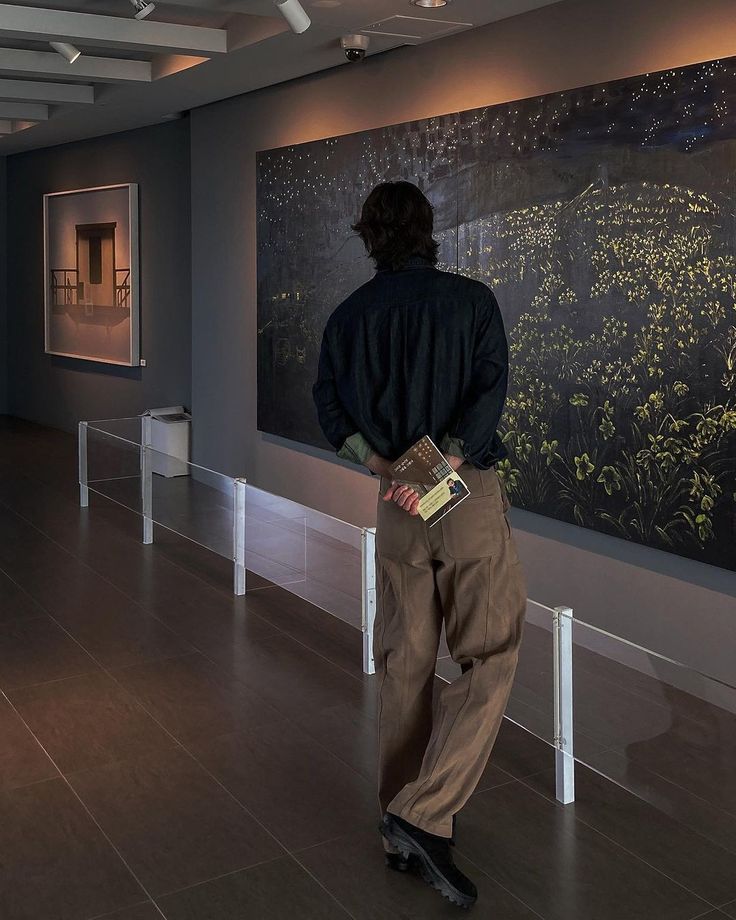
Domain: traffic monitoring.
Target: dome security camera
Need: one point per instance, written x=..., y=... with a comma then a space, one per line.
x=354, y=46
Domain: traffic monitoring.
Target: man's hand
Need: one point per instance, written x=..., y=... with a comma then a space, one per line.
x=404, y=496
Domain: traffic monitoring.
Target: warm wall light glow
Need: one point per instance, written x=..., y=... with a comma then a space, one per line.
x=429, y=4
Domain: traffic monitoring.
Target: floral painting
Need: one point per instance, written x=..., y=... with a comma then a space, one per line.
x=603, y=219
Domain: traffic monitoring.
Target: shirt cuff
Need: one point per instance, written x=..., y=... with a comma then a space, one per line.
x=453, y=446
x=355, y=448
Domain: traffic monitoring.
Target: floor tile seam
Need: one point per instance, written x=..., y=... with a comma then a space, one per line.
x=87, y=566
x=212, y=777
x=666, y=779
x=217, y=878
x=177, y=743
x=146, y=610
x=287, y=855
x=117, y=911
x=621, y=847
x=136, y=699
x=500, y=884
x=87, y=811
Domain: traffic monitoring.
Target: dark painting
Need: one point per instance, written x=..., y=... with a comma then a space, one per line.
x=603, y=219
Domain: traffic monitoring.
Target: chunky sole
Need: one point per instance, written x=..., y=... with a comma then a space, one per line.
x=407, y=846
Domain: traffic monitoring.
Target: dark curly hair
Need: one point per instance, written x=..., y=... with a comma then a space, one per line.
x=396, y=223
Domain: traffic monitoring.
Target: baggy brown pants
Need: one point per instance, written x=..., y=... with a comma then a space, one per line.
x=464, y=570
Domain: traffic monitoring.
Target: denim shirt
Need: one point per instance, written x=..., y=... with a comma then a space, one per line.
x=414, y=351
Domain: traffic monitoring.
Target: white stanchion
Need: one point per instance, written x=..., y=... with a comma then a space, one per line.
x=368, y=608
x=563, y=736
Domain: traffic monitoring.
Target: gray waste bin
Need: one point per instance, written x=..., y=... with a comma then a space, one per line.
x=170, y=438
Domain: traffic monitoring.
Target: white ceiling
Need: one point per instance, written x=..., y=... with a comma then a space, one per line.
x=179, y=55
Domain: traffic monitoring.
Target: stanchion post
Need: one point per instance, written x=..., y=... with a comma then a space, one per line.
x=563, y=673
x=83, y=480
x=146, y=480
x=239, y=536
x=368, y=612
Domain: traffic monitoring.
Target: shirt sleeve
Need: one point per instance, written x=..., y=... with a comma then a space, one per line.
x=355, y=448
x=453, y=446
x=334, y=420
x=484, y=399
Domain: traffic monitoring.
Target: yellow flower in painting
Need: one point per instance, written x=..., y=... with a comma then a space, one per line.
x=642, y=413
x=549, y=450
x=728, y=420
x=583, y=466
x=680, y=388
x=607, y=428
x=610, y=479
x=579, y=399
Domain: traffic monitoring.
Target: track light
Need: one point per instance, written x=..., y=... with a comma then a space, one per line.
x=66, y=51
x=294, y=13
x=142, y=9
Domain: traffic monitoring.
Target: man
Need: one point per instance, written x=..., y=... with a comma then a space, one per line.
x=392, y=368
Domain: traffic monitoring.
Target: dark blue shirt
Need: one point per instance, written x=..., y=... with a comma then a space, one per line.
x=415, y=351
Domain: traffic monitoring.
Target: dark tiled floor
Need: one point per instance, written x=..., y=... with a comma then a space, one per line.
x=168, y=750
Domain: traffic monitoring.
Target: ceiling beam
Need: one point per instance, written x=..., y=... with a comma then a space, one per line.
x=15, y=62
x=6, y=126
x=33, y=91
x=25, y=111
x=26, y=23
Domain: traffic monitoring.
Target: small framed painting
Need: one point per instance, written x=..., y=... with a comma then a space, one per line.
x=91, y=262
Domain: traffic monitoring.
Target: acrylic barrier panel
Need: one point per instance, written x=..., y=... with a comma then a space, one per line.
x=532, y=701
x=658, y=728
x=184, y=498
x=114, y=467
x=311, y=554
x=129, y=429
x=193, y=501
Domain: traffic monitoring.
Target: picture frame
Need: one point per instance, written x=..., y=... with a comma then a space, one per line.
x=91, y=274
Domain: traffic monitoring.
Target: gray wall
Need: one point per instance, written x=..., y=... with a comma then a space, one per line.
x=61, y=391
x=680, y=608
x=3, y=292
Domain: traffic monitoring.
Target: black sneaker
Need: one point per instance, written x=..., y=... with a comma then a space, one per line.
x=436, y=865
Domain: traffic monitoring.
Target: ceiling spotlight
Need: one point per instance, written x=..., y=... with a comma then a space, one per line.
x=66, y=51
x=430, y=4
x=294, y=13
x=142, y=9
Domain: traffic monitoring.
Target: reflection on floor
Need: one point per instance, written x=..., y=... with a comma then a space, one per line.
x=168, y=750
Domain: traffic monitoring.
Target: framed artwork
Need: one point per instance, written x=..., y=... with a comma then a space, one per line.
x=604, y=219
x=91, y=266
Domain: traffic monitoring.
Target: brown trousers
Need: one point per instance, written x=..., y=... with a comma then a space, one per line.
x=464, y=570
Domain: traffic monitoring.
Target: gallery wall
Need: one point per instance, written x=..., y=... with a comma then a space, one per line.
x=3, y=292
x=659, y=600
x=60, y=391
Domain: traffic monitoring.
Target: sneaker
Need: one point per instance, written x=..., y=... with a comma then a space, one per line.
x=436, y=865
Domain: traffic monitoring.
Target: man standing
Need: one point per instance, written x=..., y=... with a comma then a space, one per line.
x=418, y=351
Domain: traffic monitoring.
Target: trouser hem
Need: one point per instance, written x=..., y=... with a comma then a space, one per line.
x=441, y=828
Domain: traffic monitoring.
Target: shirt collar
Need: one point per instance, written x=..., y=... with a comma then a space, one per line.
x=411, y=262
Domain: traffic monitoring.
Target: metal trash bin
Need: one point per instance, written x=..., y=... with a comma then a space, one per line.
x=168, y=432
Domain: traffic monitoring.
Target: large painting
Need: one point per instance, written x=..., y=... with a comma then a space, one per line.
x=91, y=274
x=603, y=219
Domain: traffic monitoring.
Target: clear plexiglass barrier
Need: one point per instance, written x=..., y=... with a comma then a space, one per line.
x=649, y=723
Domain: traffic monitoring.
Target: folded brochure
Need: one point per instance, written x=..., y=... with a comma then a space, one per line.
x=426, y=469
